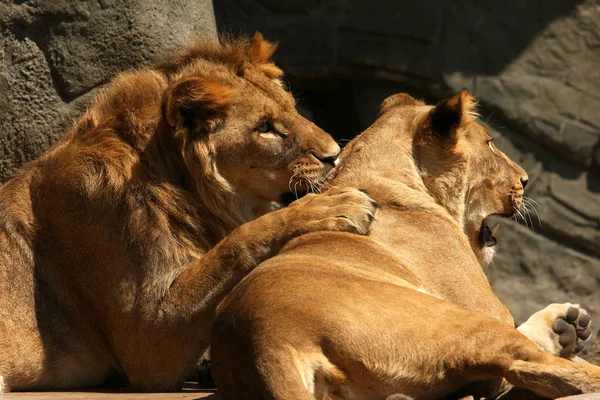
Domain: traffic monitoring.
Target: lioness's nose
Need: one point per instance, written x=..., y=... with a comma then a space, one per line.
x=524, y=181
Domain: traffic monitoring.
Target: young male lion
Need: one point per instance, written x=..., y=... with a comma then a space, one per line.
x=118, y=243
x=408, y=309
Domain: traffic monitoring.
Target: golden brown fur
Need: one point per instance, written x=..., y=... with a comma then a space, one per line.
x=117, y=244
x=408, y=309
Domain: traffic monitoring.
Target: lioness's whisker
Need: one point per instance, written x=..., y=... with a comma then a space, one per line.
x=524, y=213
x=528, y=213
x=532, y=200
x=520, y=214
x=532, y=203
x=532, y=206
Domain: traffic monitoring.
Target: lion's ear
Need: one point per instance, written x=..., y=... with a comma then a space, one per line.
x=261, y=52
x=449, y=114
x=197, y=100
x=260, y=49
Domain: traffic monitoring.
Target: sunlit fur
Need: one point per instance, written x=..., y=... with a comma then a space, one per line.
x=407, y=310
x=119, y=241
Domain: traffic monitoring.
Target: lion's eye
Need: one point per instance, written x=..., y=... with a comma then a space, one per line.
x=264, y=127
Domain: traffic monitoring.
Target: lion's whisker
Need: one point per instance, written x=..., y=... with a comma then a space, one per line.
x=295, y=188
x=290, y=181
x=315, y=187
x=324, y=184
x=318, y=187
x=311, y=187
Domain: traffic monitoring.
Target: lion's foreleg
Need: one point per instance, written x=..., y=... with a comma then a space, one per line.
x=186, y=313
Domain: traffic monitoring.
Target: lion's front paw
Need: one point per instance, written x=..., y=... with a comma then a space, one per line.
x=338, y=209
x=561, y=329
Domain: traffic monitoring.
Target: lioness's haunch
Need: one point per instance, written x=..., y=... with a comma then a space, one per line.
x=406, y=310
x=117, y=244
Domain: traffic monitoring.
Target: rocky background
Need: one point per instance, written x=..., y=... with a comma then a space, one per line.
x=53, y=54
x=535, y=66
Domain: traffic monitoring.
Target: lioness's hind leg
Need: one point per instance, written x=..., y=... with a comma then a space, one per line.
x=554, y=377
x=560, y=329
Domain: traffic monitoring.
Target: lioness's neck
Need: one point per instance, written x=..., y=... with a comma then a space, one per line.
x=382, y=156
x=384, y=161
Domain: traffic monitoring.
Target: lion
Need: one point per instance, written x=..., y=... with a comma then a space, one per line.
x=117, y=244
x=407, y=311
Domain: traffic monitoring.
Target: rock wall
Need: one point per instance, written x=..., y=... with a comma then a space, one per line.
x=535, y=66
x=53, y=54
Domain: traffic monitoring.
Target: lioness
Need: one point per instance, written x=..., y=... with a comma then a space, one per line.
x=408, y=309
x=118, y=243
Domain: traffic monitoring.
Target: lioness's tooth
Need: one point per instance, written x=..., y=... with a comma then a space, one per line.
x=494, y=228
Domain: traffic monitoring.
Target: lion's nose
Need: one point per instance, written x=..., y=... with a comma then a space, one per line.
x=329, y=156
x=524, y=181
x=330, y=160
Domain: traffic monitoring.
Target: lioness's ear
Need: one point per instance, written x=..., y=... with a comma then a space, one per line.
x=398, y=100
x=260, y=53
x=197, y=100
x=449, y=114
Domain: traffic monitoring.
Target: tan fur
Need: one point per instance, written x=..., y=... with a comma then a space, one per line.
x=117, y=244
x=406, y=311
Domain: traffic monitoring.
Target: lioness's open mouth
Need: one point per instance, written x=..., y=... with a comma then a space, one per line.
x=486, y=234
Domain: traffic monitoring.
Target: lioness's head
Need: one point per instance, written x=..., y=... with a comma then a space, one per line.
x=461, y=166
x=240, y=133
